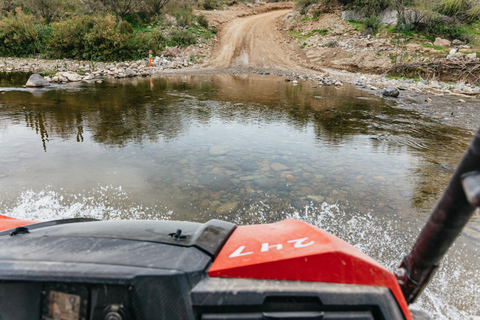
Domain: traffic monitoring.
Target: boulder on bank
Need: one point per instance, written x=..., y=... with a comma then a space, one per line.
x=442, y=42
x=70, y=76
x=130, y=73
x=37, y=80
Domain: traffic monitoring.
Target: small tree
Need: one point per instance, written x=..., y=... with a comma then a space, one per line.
x=155, y=6
x=46, y=9
x=121, y=8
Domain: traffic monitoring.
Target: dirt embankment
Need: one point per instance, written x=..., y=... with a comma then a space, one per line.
x=254, y=42
x=273, y=36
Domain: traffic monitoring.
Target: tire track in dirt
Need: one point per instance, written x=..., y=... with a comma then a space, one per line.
x=253, y=42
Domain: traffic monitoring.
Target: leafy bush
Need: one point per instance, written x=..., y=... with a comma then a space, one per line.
x=182, y=37
x=372, y=24
x=21, y=35
x=99, y=38
x=465, y=10
x=446, y=27
x=202, y=21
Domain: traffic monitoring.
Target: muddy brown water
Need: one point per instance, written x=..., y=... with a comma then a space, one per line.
x=247, y=149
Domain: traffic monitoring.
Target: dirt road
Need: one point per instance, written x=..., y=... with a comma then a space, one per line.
x=253, y=42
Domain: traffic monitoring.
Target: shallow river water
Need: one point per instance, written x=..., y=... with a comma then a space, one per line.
x=247, y=149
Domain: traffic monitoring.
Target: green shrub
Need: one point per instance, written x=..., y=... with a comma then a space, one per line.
x=184, y=18
x=302, y=5
x=21, y=35
x=371, y=7
x=182, y=37
x=202, y=21
x=372, y=23
x=152, y=40
x=446, y=27
x=210, y=4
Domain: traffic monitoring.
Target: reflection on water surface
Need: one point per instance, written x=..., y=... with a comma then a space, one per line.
x=248, y=149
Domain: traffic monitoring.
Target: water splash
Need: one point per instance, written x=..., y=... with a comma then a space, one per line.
x=453, y=293
x=105, y=203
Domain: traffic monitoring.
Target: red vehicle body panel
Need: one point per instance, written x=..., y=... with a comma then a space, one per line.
x=294, y=250
x=11, y=223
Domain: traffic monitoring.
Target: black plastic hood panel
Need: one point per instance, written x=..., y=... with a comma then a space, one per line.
x=208, y=237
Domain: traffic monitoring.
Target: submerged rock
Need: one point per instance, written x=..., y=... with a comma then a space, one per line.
x=37, y=80
x=279, y=167
x=249, y=165
x=216, y=182
x=218, y=150
x=227, y=208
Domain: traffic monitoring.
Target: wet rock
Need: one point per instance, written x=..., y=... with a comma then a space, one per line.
x=391, y=92
x=249, y=165
x=442, y=42
x=447, y=166
x=227, y=208
x=37, y=80
x=250, y=178
x=218, y=171
x=265, y=168
x=215, y=182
